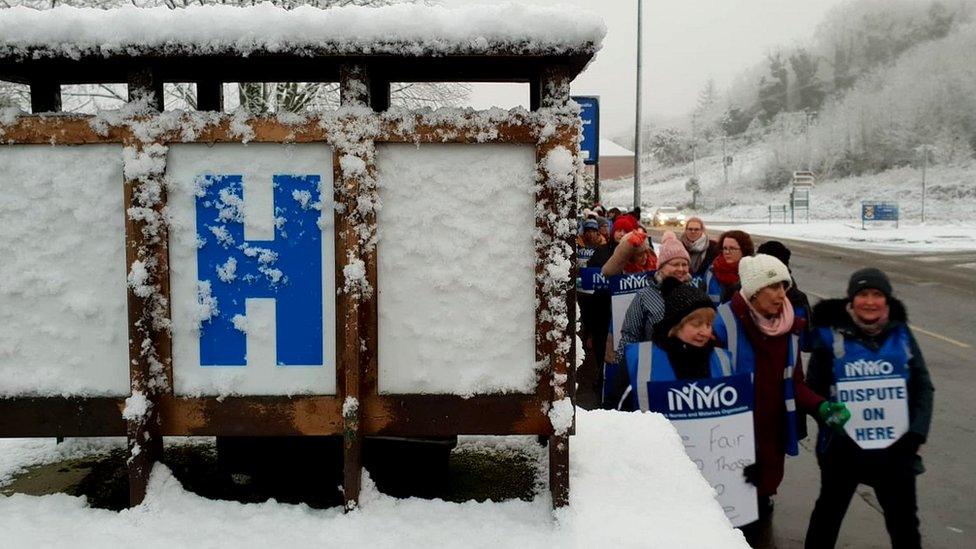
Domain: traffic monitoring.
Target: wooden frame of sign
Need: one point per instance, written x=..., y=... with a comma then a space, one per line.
x=356, y=315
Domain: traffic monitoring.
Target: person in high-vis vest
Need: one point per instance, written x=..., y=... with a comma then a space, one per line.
x=866, y=359
x=761, y=331
x=645, y=311
x=682, y=346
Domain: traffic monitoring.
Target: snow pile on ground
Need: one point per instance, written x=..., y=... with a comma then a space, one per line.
x=632, y=486
x=405, y=29
x=876, y=237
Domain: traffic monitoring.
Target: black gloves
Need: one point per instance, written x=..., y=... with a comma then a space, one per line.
x=908, y=444
x=752, y=474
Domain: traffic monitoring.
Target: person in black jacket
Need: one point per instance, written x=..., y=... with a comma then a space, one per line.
x=862, y=342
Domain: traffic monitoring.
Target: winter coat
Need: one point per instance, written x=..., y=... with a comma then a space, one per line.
x=668, y=359
x=770, y=359
x=831, y=315
x=646, y=310
x=719, y=293
x=801, y=308
x=595, y=315
x=711, y=252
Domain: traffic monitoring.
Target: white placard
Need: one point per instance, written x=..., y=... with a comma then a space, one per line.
x=879, y=410
x=623, y=288
x=721, y=448
x=715, y=420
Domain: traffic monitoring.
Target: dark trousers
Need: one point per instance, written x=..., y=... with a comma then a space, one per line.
x=842, y=468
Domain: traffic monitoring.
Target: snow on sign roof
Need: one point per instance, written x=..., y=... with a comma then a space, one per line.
x=403, y=29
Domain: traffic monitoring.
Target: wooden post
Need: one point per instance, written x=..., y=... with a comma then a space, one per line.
x=355, y=313
x=554, y=342
x=45, y=96
x=147, y=262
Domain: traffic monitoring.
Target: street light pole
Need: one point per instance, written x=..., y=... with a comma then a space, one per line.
x=637, y=131
x=925, y=149
x=925, y=165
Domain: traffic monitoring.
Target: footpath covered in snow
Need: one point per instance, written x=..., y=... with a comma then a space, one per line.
x=632, y=486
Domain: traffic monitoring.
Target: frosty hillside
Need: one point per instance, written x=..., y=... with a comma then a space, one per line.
x=236, y=274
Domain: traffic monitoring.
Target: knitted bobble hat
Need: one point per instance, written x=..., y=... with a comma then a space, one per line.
x=671, y=248
x=759, y=271
x=680, y=300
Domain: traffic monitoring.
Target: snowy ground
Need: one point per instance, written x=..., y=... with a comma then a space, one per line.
x=632, y=486
x=950, y=195
x=835, y=205
x=876, y=238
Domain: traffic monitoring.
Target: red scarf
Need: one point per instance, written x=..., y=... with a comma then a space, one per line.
x=726, y=273
x=650, y=264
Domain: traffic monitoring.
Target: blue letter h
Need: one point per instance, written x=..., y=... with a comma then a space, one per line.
x=287, y=269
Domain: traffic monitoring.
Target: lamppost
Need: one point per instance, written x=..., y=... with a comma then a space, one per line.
x=925, y=150
x=637, y=131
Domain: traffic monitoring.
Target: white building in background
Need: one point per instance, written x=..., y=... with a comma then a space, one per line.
x=616, y=162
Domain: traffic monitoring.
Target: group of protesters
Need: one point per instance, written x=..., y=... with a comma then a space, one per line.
x=715, y=308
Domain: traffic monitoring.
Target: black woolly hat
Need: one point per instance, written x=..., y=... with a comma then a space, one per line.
x=776, y=249
x=869, y=278
x=680, y=300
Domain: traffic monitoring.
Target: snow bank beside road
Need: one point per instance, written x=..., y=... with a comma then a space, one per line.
x=905, y=238
x=632, y=486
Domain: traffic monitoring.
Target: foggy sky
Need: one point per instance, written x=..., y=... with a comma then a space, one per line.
x=686, y=42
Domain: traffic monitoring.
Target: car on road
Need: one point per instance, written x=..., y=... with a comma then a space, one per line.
x=667, y=215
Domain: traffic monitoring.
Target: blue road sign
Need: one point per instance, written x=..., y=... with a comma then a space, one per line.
x=590, y=114
x=879, y=211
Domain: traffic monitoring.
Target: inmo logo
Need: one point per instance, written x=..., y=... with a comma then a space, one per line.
x=693, y=397
x=861, y=368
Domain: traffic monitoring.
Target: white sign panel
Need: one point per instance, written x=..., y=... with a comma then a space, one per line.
x=63, y=321
x=252, y=269
x=456, y=268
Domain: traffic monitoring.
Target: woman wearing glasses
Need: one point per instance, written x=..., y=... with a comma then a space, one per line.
x=722, y=279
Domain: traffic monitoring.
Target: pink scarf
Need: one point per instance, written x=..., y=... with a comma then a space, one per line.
x=777, y=325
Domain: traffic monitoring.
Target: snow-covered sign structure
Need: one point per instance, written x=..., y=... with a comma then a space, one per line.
x=363, y=271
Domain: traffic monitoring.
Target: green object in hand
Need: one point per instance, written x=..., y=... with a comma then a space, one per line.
x=834, y=414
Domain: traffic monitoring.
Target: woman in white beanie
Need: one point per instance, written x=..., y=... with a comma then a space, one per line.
x=758, y=327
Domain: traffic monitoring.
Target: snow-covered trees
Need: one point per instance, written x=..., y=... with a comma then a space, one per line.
x=670, y=146
x=879, y=79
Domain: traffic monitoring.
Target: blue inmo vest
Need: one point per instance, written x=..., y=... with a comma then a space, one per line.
x=647, y=362
x=854, y=361
x=712, y=287
x=731, y=336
